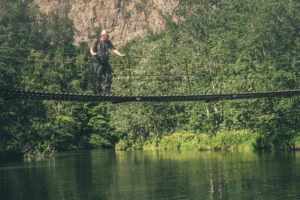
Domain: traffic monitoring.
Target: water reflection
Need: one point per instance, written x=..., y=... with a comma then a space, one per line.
x=154, y=175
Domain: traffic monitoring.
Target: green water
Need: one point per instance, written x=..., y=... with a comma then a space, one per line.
x=107, y=174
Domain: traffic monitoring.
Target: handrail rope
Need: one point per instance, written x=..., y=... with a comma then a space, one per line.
x=84, y=63
x=23, y=49
x=183, y=75
x=80, y=54
x=134, y=74
x=68, y=53
x=48, y=61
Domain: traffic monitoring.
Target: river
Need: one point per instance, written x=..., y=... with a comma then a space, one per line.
x=108, y=174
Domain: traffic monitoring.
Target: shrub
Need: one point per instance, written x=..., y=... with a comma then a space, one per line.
x=96, y=141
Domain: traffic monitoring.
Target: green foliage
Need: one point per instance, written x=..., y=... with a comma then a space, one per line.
x=228, y=139
x=171, y=142
x=222, y=140
x=215, y=47
x=122, y=145
x=231, y=47
x=39, y=125
x=98, y=122
x=97, y=141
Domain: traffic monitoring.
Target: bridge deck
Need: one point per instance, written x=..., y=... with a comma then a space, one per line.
x=7, y=95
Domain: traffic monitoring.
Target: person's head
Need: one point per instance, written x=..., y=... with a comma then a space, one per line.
x=104, y=35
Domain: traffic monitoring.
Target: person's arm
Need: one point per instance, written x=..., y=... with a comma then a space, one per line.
x=116, y=51
x=93, y=53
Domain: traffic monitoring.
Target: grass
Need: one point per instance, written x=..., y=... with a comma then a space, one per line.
x=242, y=140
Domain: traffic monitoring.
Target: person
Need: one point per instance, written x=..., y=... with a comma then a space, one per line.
x=100, y=50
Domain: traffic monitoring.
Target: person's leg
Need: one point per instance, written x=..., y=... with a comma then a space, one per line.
x=108, y=77
x=98, y=70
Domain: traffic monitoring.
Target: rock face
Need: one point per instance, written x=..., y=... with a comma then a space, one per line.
x=124, y=19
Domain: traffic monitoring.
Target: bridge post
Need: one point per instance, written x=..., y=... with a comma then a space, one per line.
x=187, y=74
x=268, y=79
x=129, y=67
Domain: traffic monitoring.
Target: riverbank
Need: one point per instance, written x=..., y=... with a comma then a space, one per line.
x=244, y=140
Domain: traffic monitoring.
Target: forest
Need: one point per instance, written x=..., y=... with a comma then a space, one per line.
x=222, y=46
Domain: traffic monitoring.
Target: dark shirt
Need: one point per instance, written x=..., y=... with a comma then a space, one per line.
x=102, y=47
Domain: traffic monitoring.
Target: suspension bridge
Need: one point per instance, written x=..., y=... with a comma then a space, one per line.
x=188, y=76
x=9, y=95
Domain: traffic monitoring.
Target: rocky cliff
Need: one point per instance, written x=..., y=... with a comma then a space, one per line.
x=124, y=19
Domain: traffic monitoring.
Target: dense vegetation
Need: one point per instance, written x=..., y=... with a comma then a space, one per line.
x=218, y=47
